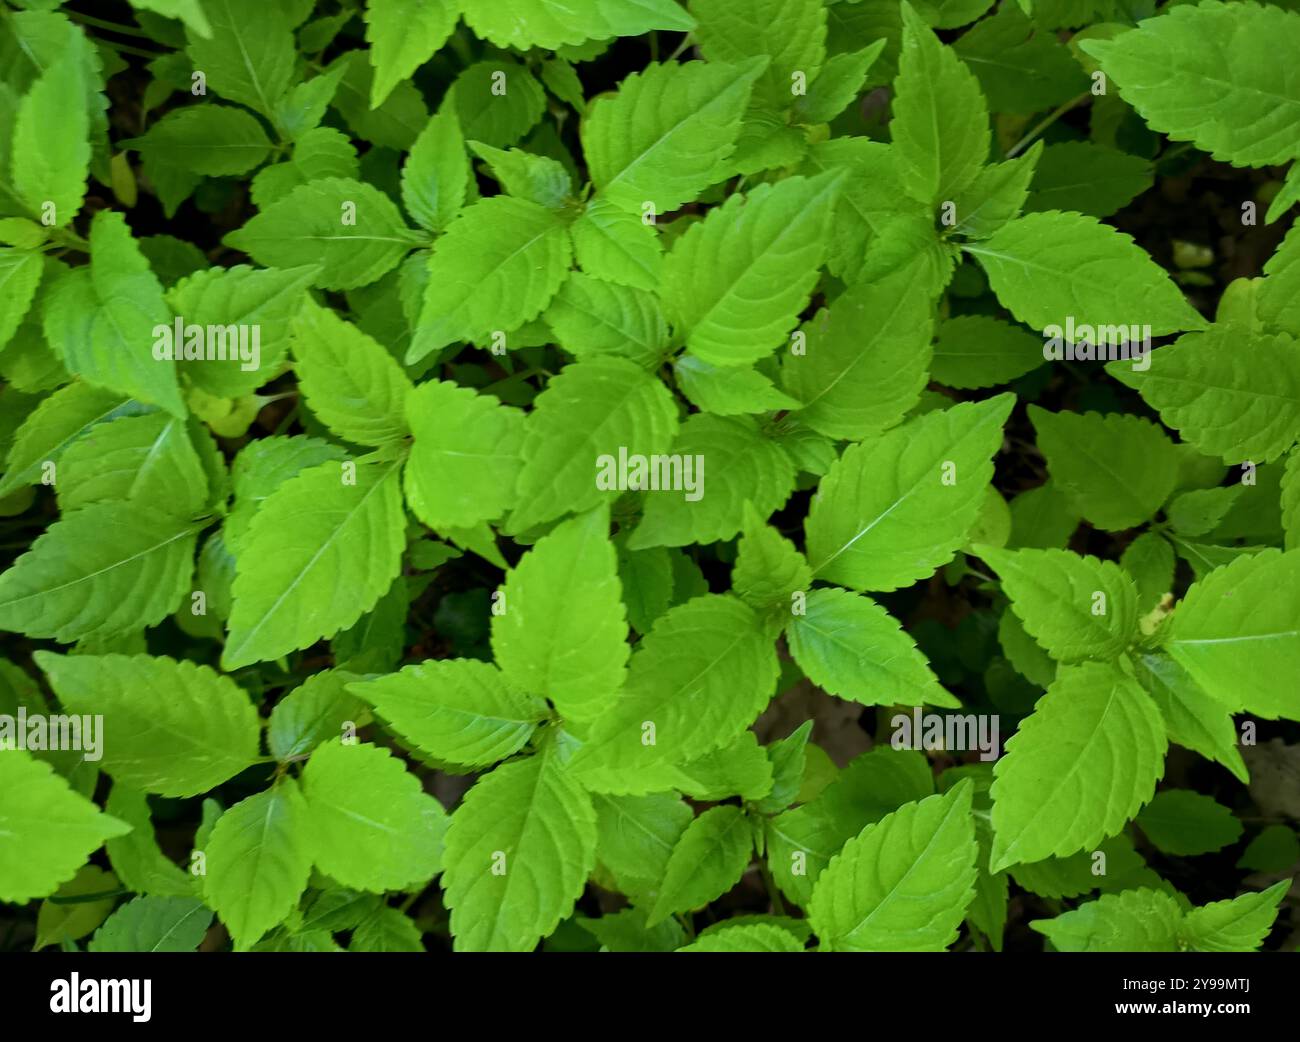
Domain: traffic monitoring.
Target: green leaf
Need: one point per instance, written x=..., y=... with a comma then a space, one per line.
x=388, y=930
x=99, y=571
x=1087, y=178
x=436, y=173
x=154, y=924
x=258, y=861
x=317, y=710
x=497, y=266
x=372, y=827
x=1231, y=392
x=171, y=727
x=249, y=54
x=789, y=759
x=20, y=274
x=1025, y=654
x=747, y=466
x=1185, y=823
x=698, y=678
x=1244, y=619
x=149, y=459
x=1117, y=470
x=995, y=196
x=978, y=351
x=496, y=102
x=300, y=110
x=46, y=830
x=465, y=457
x=213, y=140
x=265, y=299
x=940, y=125
x=801, y=842
x=1201, y=510
x=351, y=383
x=903, y=883
x=792, y=33
x=760, y=937
x=840, y=81
x=460, y=711
x=538, y=179
x=103, y=320
x=264, y=465
x=319, y=553
x=1192, y=718
x=728, y=390
x=73, y=910
x=403, y=35
x=136, y=857
x=1276, y=295
x=352, y=229
x=734, y=283
x=592, y=409
x=1203, y=74
x=878, y=228
x=740, y=768
x=318, y=154
x=519, y=850
x=865, y=359
x=626, y=931
x=853, y=648
x=56, y=423
x=1290, y=502
x=188, y=11
x=1238, y=925
x=563, y=633
x=1149, y=559
x=665, y=135
x=1079, y=767
x=949, y=14
x=768, y=568
x=1021, y=69
x=635, y=837
x=647, y=579
x=896, y=506
x=591, y=317
x=1275, y=849
x=1133, y=921
x=1042, y=517
x=617, y=246
x=1075, y=607
x=51, y=147
x=1114, y=866
x=550, y=24
x=707, y=861
x=1047, y=267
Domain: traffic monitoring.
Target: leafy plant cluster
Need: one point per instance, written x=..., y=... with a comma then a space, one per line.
x=383, y=663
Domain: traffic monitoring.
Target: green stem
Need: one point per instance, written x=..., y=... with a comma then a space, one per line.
x=773, y=893
x=67, y=237
x=681, y=47
x=1046, y=122
x=112, y=27
x=80, y=899
x=126, y=48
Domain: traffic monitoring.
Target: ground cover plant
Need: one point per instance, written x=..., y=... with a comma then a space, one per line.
x=737, y=475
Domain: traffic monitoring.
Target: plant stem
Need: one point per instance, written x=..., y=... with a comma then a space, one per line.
x=81, y=899
x=68, y=238
x=686, y=42
x=773, y=893
x=1046, y=122
x=112, y=27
